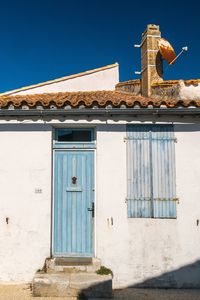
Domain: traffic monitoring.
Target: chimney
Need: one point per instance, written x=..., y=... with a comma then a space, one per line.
x=151, y=61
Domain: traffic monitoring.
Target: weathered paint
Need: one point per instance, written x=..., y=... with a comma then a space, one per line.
x=189, y=91
x=139, y=172
x=163, y=171
x=147, y=248
x=151, y=178
x=144, y=248
x=73, y=197
x=25, y=199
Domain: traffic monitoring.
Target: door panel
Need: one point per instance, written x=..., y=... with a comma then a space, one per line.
x=73, y=196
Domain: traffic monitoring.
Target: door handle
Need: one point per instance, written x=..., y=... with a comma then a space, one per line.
x=91, y=209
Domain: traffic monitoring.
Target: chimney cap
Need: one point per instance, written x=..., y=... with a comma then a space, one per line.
x=151, y=28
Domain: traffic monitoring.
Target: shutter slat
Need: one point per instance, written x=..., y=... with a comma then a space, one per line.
x=139, y=192
x=163, y=162
x=151, y=171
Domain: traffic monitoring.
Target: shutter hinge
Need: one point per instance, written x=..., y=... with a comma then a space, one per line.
x=175, y=140
x=176, y=199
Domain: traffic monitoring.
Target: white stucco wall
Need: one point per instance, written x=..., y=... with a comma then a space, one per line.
x=140, y=249
x=135, y=249
x=102, y=79
x=189, y=92
x=25, y=167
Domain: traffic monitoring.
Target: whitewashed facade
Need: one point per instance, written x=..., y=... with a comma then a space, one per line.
x=148, y=251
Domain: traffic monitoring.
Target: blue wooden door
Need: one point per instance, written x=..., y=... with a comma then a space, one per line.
x=73, y=203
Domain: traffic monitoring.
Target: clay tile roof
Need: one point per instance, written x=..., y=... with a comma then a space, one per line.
x=89, y=99
x=173, y=82
x=129, y=82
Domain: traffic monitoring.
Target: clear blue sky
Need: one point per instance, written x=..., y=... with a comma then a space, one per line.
x=43, y=40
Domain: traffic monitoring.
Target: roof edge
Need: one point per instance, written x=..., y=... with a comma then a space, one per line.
x=176, y=81
x=103, y=111
x=128, y=82
x=60, y=79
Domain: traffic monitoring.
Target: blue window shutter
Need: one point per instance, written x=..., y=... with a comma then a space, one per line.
x=163, y=172
x=139, y=173
x=151, y=189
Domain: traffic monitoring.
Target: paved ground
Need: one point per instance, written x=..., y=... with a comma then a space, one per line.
x=23, y=292
x=157, y=294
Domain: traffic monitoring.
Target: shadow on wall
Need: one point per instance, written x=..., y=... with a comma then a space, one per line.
x=187, y=277
x=91, y=287
x=159, y=66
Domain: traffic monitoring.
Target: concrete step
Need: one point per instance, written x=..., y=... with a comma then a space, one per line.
x=56, y=265
x=74, y=285
x=73, y=261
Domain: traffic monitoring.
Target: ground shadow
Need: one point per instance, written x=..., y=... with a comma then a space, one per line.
x=186, y=277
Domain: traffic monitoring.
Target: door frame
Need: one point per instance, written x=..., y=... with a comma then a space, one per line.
x=65, y=148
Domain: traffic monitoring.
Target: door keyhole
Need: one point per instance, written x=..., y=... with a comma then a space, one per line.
x=74, y=179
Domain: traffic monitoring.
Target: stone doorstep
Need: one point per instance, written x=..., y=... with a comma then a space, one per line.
x=72, y=285
x=55, y=265
x=73, y=261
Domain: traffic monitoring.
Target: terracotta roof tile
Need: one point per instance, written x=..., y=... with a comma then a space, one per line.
x=129, y=82
x=89, y=99
x=173, y=82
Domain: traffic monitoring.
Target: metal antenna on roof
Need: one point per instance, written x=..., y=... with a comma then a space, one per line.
x=184, y=49
x=167, y=52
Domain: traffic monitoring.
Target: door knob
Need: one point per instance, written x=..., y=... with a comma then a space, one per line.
x=74, y=179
